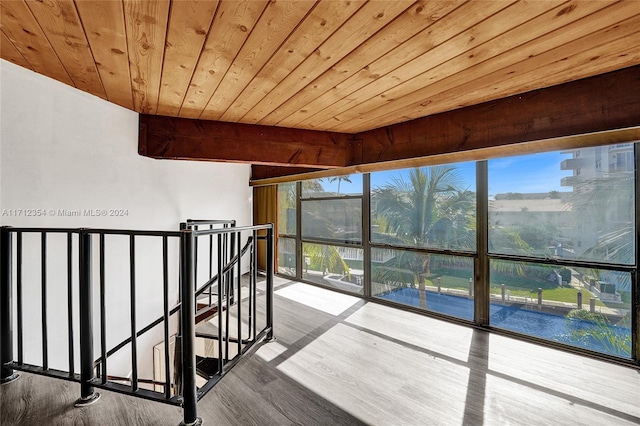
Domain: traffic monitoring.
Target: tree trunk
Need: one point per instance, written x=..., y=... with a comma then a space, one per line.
x=422, y=293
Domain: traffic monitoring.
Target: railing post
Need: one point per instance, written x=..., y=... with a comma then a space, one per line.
x=87, y=392
x=270, y=337
x=188, y=319
x=177, y=360
x=6, y=308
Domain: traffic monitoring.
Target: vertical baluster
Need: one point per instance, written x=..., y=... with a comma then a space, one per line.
x=19, y=296
x=187, y=311
x=165, y=293
x=210, y=266
x=231, y=253
x=254, y=279
x=70, y=303
x=220, y=291
x=6, y=307
x=239, y=279
x=103, y=313
x=87, y=393
x=43, y=306
x=195, y=254
x=132, y=291
x=227, y=303
x=270, y=335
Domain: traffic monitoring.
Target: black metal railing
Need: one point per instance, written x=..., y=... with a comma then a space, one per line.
x=211, y=294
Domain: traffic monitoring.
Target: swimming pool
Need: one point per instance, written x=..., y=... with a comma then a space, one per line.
x=516, y=318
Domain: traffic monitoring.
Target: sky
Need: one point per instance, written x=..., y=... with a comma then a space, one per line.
x=524, y=174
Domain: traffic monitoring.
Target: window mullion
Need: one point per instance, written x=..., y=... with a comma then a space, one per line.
x=481, y=284
x=366, y=232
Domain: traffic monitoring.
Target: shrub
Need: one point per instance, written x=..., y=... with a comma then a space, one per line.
x=566, y=275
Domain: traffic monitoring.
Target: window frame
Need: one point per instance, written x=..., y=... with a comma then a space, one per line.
x=482, y=258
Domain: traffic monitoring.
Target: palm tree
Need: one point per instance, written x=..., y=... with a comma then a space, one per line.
x=346, y=178
x=422, y=212
x=325, y=258
x=605, y=206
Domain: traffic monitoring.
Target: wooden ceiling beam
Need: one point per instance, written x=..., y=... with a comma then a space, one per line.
x=188, y=139
x=604, y=102
x=503, y=127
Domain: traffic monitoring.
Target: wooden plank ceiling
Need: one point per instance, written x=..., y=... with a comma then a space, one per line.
x=344, y=66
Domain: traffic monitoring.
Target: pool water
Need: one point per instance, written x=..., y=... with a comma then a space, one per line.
x=515, y=318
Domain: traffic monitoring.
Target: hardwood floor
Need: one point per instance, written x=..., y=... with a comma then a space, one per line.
x=341, y=361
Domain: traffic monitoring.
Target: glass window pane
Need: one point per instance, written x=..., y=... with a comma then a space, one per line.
x=432, y=282
x=332, y=186
x=287, y=208
x=425, y=207
x=334, y=219
x=576, y=204
x=287, y=256
x=588, y=308
x=334, y=266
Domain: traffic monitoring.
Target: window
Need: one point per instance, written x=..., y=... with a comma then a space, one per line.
x=334, y=266
x=426, y=207
x=577, y=225
x=287, y=219
x=331, y=232
x=560, y=242
x=287, y=256
x=583, y=307
x=429, y=209
x=287, y=209
x=567, y=301
x=433, y=282
x=332, y=219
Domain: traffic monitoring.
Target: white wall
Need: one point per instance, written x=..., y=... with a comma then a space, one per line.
x=62, y=149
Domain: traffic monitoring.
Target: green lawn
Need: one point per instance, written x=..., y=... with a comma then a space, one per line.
x=447, y=281
x=521, y=282
x=558, y=294
x=549, y=292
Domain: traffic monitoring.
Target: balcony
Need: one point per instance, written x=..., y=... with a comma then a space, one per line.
x=621, y=147
x=570, y=164
x=570, y=181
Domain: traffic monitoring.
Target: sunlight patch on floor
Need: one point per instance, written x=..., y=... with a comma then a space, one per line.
x=328, y=301
x=533, y=364
x=513, y=403
x=357, y=371
x=418, y=330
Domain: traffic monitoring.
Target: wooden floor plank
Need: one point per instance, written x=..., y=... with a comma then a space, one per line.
x=367, y=364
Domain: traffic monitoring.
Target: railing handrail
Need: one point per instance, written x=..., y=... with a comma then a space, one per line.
x=196, y=222
x=106, y=231
x=155, y=233
x=199, y=232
